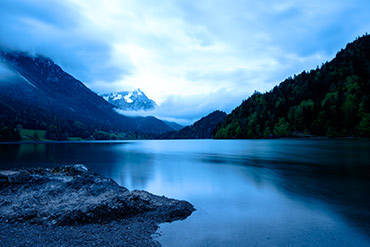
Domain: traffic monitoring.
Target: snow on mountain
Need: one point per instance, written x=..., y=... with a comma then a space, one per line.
x=130, y=100
x=127, y=98
x=37, y=94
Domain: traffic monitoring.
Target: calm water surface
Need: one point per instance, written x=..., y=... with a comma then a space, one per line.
x=246, y=192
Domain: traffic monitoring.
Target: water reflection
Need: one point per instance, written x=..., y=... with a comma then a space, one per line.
x=335, y=173
x=256, y=192
x=111, y=160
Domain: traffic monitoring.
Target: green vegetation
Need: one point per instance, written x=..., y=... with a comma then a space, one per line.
x=40, y=135
x=332, y=101
x=53, y=134
x=32, y=135
x=59, y=104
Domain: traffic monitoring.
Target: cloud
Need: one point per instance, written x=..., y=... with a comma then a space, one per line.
x=186, y=110
x=186, y=55
x=5, y=73
x=54, y=29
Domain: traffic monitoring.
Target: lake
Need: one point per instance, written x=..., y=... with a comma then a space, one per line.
x=282, y=192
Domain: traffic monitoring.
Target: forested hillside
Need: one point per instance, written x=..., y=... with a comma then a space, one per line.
x=201, y=129
x=35, y=93
x=329, y=101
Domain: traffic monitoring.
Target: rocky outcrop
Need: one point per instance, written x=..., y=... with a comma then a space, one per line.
x=73, y=195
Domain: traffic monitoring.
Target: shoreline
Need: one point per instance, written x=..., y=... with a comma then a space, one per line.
x=127, y=232
x=133, y=140
x=71, y=206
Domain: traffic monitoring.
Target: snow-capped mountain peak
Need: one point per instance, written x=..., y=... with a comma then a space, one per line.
x=138, y=92
x=130, y=100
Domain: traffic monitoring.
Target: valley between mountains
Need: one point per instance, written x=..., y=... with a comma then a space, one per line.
x=39, y=101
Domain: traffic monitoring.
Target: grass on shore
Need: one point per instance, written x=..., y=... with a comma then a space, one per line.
x=30, y=135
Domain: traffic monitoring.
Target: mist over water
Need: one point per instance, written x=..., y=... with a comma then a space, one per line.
x=246, y=192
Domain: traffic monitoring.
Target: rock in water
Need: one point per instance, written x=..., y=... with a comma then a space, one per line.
x=71, y=195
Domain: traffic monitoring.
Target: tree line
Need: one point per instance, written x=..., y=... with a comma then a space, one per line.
x=329, y=101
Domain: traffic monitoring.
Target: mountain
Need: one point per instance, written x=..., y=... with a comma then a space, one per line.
x=332, y=101
x=130, y=101
x=201, y=129
x=37, y=94
x=174, y=125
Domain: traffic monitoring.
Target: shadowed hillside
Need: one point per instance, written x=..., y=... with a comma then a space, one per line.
x=201, y=129
x=37, y=94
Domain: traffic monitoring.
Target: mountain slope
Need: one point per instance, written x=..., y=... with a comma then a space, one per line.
x=37, y=93
x=173, y=125
x=201, y=129
x=130, y=101
x=329, y=101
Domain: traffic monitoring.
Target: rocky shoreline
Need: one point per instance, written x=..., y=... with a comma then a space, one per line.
x=72, y=206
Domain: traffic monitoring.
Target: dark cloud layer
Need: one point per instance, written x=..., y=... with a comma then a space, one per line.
x=51, y=28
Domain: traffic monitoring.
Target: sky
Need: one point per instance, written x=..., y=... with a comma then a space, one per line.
x=191, y=57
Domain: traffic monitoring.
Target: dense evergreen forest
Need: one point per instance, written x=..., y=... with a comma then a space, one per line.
x=329, y=101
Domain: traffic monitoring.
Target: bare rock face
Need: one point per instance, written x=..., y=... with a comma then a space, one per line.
x=73, y=195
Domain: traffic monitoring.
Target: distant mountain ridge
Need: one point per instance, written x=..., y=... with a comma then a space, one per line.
x=174, y=125
x=201, y=129
x=130, y=100
x=37, y=94
x=332, y=101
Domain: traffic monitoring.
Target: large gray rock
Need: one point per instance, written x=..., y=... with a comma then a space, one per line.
x=73, y=195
